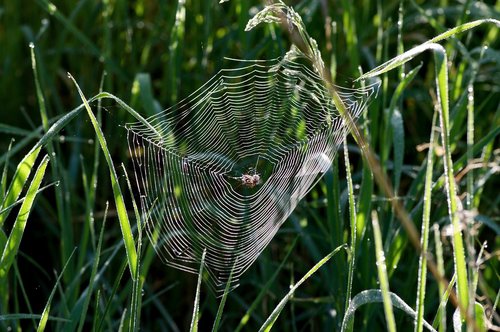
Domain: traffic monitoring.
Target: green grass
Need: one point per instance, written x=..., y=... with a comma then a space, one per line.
x=423, y=159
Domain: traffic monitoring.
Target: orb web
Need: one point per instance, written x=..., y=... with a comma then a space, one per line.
x=223, y=169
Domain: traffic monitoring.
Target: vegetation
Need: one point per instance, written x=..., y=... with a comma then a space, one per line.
x=73, y=254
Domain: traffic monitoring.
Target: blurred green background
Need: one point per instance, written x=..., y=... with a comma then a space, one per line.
x=155, y=53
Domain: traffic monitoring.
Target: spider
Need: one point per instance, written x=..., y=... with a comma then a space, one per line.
x=250, y=181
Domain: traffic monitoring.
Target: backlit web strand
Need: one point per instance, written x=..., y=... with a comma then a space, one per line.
x=224, y=168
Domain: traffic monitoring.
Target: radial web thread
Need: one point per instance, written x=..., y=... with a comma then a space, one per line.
x=223, y=169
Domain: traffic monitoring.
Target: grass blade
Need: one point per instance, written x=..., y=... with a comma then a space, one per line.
x=352, y=223
x=15, y=237
x=422, y=269
x=95, y=265
x=220, y=310
x=268, y=324
x=441, y=63
x=45, y=315
x=21, y=174
x=410, y=54
x=265, y=288
x=128, y=239
x=196, y=306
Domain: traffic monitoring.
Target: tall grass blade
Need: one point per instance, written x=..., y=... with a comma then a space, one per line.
x=135, y=305
x=128, y=238
x=45, y=315
x=382, y=274
x=441, y=63
x=352, y=224
x=196, y=306
x=66, y=230
x=268, y=324
x=426, y=215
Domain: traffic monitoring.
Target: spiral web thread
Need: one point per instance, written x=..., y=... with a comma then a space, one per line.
x=223, y=169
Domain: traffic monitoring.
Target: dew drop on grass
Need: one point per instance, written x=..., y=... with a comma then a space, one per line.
x=52, y=9
x=333, y=313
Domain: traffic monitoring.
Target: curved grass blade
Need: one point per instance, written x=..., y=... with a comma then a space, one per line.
x=268, y=324
x=45, y=315
x=375, y=296
x=128, y=238
x=410, y=54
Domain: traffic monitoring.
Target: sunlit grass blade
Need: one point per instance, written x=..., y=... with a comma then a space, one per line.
x=137, y=283
x=382, y=274
x=11, y=248
x=11, y=245
x=426, y=215
x=376, y=296
x=196, y=305
x=441, y=68
x=352, y=224
x=46, y=311
x=265, y=288
x=21, y=174
x=268, y=324
x=128, y=238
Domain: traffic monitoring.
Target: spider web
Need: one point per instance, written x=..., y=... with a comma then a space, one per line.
x=223, y=169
